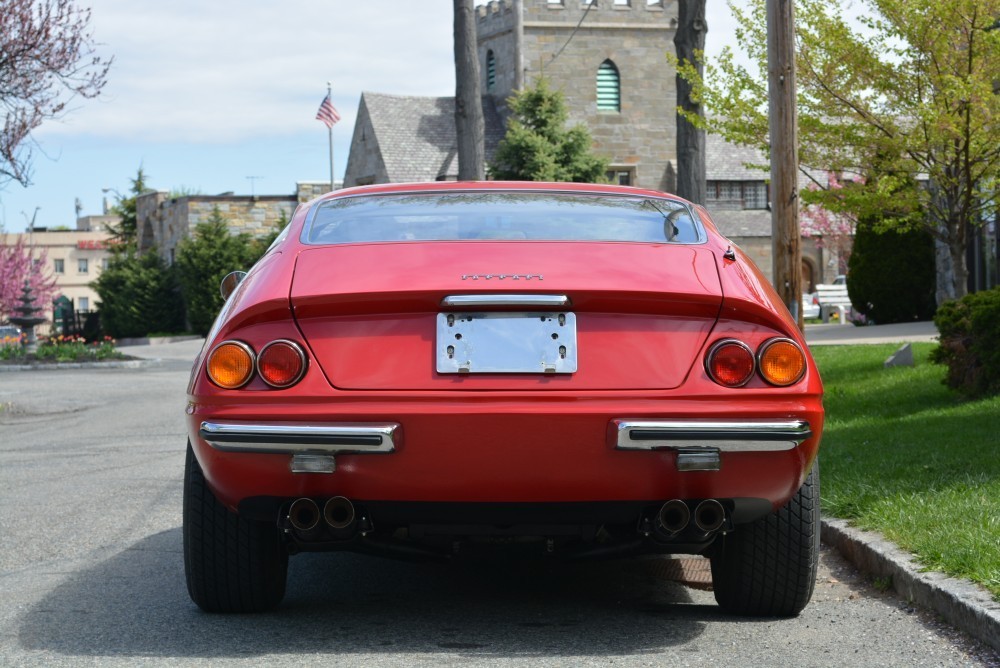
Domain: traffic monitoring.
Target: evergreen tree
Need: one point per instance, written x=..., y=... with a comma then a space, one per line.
x=203, y=260
x=124, y=234
x=139, y=295
x=537, y=145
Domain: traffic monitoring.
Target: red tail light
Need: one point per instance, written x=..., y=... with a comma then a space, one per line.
x=281, y=363
x=730, y=363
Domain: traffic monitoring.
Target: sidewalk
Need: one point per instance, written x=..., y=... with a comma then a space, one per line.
x=837, y=334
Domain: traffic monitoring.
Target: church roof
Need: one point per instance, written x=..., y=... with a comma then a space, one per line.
x=416, y=134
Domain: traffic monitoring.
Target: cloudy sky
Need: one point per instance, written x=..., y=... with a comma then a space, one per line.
x=204, y=95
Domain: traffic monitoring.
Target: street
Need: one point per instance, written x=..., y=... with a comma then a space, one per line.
x=91, y=571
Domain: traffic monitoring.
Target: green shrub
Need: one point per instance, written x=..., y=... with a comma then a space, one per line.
x=970, y=343
x=891, y=274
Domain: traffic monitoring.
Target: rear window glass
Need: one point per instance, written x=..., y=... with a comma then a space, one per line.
x=459, y=216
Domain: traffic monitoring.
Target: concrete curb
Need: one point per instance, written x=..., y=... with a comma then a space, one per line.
x=962, y=604
x=59, y=366
x=155, y=340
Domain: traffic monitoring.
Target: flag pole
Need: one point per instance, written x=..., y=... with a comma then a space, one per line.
x=329, y=93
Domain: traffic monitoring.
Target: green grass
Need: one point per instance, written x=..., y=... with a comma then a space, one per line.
x=905, y=456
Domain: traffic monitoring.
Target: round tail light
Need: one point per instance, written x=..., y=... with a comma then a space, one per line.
x=230, y=364
x=781, y=362
x=281, y=363
x=730, y=363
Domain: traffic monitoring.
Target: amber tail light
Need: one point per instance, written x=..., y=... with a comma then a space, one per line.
x=730, y=363
x=230, y=364
x=281, y=363
x=781, y=362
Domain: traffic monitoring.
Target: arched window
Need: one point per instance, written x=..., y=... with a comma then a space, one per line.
x=491, y=70
x=608, y=88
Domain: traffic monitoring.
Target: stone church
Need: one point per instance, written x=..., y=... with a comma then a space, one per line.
x=609, y=59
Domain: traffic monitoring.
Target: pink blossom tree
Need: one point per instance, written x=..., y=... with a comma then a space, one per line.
x=16, y=266
x=832, y=226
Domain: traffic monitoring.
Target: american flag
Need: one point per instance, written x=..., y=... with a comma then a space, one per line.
x=327, y=112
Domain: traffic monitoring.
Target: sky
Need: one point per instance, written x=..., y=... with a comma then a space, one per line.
x=205, y=95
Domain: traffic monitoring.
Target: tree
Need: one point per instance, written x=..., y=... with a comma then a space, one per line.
x=124, y=234
x=469, y=125
x=203, y=260
x=47, y=57
x=139, y=295
x=689, y=42
x=911, y=97
x=18, y=265
x=538, y=147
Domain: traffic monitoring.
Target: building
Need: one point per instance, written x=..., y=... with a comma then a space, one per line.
x=163, y=220
x=74, y=257
x=608, y=57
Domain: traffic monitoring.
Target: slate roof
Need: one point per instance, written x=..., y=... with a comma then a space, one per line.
x=725, y=162
x=416, y=135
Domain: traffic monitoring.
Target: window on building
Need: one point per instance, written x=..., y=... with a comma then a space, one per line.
x=621, y=176
x=59, y=266
x=737, y=194
x=82, y=266
x=491, y=70
x=623, y=3
x=105, y=263
x=608, y=87
x=83, y=304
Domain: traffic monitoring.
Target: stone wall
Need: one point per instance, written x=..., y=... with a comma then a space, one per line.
x=635, y=37
x=163, y=220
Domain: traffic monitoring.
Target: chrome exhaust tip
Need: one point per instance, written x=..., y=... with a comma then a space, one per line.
x=709, y=515
x=339, y=513
x=303, y=514
x=673, y=517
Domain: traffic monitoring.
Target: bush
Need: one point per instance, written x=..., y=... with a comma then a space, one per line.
x=891, y=274
x=139, y=294
x=970, y=343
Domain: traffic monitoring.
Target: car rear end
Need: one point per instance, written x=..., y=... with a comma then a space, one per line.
x=582, y=373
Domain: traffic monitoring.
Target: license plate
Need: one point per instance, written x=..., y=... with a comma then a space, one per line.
x=506, y=343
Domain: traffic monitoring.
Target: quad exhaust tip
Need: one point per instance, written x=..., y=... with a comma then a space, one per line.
x=303, y=514
x=709, y=515
x=674, y=516
x=339, y=513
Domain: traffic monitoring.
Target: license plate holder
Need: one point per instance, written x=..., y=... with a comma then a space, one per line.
x=506, y=342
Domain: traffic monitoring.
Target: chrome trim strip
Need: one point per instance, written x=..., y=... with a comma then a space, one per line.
x=367, y=437
x=539, y=301
x=723, y=435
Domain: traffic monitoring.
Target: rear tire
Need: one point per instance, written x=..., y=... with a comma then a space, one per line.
x=768, y=568
x=232, y=564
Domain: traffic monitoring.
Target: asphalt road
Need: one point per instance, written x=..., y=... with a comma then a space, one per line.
x=91, y=572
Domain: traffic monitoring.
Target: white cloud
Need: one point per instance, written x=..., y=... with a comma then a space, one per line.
x=221, y=71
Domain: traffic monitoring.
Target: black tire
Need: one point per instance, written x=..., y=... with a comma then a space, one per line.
x=768, y=568
x=232, y=564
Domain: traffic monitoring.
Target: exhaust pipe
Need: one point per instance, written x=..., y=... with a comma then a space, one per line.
x=709, y=515
x=673, y=517
x=303, y=515
x=339, y=513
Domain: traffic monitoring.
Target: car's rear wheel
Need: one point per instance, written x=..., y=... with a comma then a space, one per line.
x=768, y=567
x=232, y=564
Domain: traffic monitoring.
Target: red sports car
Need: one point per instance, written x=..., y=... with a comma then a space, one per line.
x=433, y=370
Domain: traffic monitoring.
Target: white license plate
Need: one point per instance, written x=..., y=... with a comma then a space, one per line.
x=506, y=343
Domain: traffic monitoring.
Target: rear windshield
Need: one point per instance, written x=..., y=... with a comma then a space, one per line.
x=454, y=216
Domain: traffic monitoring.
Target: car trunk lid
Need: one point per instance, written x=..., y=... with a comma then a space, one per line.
x=372, y=314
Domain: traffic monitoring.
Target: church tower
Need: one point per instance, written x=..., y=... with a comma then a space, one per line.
x=609, y=59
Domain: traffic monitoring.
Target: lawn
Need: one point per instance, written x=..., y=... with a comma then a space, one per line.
x=905, y=456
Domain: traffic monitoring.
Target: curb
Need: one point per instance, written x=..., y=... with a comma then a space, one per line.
x=155, y=340
x=59, y=366
x=961, y=603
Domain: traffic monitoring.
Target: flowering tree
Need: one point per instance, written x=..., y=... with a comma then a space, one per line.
x=47, y=57
x=833, y=228
x=17, y=265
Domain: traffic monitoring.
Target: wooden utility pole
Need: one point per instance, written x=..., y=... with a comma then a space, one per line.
x=690, y=37
x=785, y=237
x=469, y=126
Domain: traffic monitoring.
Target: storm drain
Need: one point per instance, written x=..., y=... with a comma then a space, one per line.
x=695, y=573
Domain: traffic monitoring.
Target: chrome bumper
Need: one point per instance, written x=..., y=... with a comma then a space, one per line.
x=331, y=439
x=720, y=435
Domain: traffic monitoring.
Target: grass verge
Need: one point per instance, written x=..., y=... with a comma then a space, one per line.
x=905, y=456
